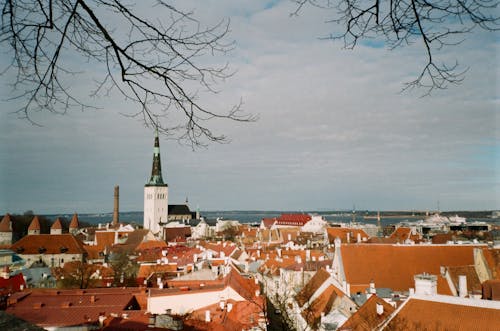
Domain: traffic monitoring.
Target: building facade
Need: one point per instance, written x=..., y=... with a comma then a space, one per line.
x=155, y=195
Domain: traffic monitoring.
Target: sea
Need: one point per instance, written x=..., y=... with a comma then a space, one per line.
x=255, y=216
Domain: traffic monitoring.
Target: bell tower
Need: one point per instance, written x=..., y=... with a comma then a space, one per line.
x=155, y=195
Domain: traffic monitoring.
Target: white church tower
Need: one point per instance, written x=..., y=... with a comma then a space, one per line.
x=156, y=196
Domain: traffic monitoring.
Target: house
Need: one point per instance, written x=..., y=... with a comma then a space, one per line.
x=440, y=312
x=317, y=224
x=6, y=231
x=394, y=266
x=51, y=250
x=346, y=235
x=285, y=220
x=370, y=316
x=75, y=309
x=322, y=303
x=406, y=235
x=195, y=295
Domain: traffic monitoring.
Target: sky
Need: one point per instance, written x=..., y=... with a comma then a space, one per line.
x=333, y=130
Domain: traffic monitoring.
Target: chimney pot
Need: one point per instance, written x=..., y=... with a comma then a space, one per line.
x=380, y=309
x=462, y=286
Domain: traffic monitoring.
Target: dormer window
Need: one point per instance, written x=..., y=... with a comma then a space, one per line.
x=42, y=250
x=20, y=249
x=63, y=249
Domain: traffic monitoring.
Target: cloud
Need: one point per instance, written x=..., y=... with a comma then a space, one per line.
x=333, y=130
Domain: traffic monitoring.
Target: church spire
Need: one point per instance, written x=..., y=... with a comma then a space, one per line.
x=156, y=178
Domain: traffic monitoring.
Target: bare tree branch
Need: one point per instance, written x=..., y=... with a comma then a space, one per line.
x=436, y=23
x=158, y=64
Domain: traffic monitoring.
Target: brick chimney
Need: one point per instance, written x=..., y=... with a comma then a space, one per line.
x=116, y=206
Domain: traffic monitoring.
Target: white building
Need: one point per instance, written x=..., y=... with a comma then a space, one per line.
x=155, y=195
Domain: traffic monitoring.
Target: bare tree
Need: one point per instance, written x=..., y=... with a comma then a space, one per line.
x=159, y=63
x=436, y=23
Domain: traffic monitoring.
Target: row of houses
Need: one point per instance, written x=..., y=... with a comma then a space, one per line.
x=326, y=279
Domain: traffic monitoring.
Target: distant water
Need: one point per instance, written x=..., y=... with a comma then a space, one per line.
x=248, y=216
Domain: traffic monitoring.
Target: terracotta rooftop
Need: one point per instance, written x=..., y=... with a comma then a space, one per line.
x=367, y=318
x=74, y=224
x=404, y=233
x=35, y=224
x=312, y=286
x=418, y=314
x=5, y=224
x=243, y=316
x=57, y=224
x=322, y=304
x=346, y=235
x=50, y=243
x=473, y=282
x=12, y=284
x=394, y=266
x=491, y=289
x=492, y=256
x=62, y=308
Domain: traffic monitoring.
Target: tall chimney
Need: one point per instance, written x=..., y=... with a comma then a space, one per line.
x=116, y=205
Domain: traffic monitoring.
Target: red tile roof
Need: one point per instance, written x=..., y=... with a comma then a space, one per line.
x=394, y=266
x=492, y=256
x=404, y=233
x=491, y=289
x=12, y=284
x=74, y=224
x=419, y=314
x=5, y=224
x=57, y=224
x=473, y=282
x=35, y=224
x=51, y=243
x=345, y=233
x=312, y=286
x=293, y=219
x=72, y=307
x=322, y=304
x=367, y=317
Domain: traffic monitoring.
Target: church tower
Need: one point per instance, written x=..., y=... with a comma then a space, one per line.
x=156, y=195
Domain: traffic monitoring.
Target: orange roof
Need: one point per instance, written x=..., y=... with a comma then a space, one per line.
x=243, y=316
x=151, y=244
x=367, y=318
x=5, y=224
x=419, y=314
x=344, y=233
x=35, y=224
x=47, y=308
x=57, y=224
x=104, y=239
x=227, y=247
x=146, y=270
x=491, y=290
x=74, y=224
x=322, y=304
x=492, y=256
x=394, y=266
x=312, y=286
x=48, y=244
x=473, y=282
x=403, y=233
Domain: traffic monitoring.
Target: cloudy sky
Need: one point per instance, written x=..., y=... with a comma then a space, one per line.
x=333, y=130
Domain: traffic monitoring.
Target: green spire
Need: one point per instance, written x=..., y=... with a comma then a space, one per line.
x=156, y=178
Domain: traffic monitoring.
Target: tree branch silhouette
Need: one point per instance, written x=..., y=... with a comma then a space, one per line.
x=435, y=23
x=158, y=64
